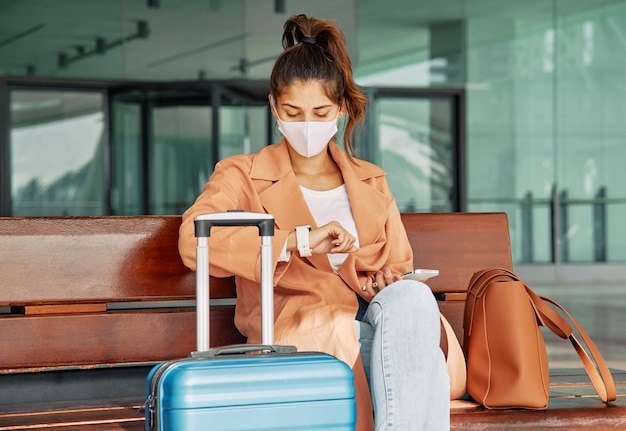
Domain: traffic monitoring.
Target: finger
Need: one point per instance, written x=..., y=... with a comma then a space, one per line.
x=342, y=249
x=388, y=276
x=346, y=239
x=377, y=283
x=379, y=280
x=367, y=287
x=343, y=245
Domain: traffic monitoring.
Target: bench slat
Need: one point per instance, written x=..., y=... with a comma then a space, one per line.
x=101, y=419
x=32, y=342
x=59, y=260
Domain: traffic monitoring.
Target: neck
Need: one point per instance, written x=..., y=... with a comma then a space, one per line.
x=319, y=172
x=315, y=165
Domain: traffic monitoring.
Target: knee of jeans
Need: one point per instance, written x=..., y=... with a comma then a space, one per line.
x=411, y=295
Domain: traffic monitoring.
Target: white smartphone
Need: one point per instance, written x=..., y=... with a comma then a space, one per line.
x=421, y=274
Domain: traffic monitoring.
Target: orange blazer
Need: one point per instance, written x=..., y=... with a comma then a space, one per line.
x=314, y=307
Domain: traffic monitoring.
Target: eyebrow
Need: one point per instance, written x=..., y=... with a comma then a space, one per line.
x=314, y=108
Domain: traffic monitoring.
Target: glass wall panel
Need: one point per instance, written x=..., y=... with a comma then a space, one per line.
x=491, y=150
x=591, y=130
x=243, y=129
x=128, y=179
x=545, y=124
x=180, y=157
x=401, y=45
x=415, y=145
x=57, y=149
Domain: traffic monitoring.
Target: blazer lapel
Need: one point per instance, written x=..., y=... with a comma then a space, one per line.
x=369, y=206
x=282, y=197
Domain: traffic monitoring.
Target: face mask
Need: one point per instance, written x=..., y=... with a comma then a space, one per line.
x=308, y=138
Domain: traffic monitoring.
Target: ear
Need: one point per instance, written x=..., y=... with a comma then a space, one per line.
x=272, y=102
x=342, y=109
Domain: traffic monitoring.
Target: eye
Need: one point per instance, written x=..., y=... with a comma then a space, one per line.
x=292, y=113
x=323, y=114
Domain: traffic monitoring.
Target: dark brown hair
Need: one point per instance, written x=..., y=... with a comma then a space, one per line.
x=315, y=50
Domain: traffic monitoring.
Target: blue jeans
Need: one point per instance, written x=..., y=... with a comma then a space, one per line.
x=405, y=367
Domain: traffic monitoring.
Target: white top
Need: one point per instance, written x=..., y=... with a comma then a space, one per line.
x=332, y=205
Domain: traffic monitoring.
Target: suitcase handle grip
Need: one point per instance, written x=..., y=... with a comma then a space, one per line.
x=204, y=223
x=239, y=349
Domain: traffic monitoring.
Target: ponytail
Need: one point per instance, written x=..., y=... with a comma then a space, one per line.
x=315, y=50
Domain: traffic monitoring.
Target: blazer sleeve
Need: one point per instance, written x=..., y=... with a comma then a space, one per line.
x=233, y=250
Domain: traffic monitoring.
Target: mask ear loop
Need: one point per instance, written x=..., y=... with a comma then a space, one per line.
x=275, y=112
x=273, y=107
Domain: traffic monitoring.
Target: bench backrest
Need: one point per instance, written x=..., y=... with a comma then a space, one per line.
x=76, y=291
x=458, y=244
x=79, y=291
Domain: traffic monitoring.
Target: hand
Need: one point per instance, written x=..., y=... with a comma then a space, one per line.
x=331, y=238
x=381, y=279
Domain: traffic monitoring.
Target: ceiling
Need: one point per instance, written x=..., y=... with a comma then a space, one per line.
x=165, y=40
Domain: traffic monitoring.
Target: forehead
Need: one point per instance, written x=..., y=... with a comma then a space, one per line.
x=304, y=95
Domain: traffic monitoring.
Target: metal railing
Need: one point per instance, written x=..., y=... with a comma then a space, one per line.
x=558, y=206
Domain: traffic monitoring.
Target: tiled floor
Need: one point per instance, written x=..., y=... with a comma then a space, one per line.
x=601, y=311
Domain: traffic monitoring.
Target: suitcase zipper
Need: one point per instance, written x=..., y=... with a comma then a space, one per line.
x=152, y=402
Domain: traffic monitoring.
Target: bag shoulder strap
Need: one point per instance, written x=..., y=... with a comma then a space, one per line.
x=602, y=381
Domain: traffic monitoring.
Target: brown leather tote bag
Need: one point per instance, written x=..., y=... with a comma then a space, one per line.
x=507, y=362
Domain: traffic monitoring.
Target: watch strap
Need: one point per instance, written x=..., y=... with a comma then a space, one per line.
x=302, y=240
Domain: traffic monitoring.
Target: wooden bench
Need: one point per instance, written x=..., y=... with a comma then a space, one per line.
x=88, y=305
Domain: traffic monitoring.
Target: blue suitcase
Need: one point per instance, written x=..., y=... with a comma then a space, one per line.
x=248, y=387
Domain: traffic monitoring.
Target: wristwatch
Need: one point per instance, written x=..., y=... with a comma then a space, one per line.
x=302, y=240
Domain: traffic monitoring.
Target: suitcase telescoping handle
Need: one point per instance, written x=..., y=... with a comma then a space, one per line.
x=203, y=225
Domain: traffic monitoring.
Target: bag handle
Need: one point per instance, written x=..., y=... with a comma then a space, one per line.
x=547, y=316
x=478, y=283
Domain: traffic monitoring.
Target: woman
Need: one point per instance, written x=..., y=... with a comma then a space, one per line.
x=338, y=284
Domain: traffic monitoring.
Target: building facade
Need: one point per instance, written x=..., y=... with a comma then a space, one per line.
x=123, y=107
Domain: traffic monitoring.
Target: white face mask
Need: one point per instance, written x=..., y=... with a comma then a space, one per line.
x=308, y=138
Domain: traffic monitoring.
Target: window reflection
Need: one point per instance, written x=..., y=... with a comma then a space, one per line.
x=415, y=138
x=57, y=153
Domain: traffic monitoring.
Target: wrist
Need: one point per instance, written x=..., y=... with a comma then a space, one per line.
x=291, y=241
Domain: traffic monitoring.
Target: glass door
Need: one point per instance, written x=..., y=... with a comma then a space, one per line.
x=166, y=141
